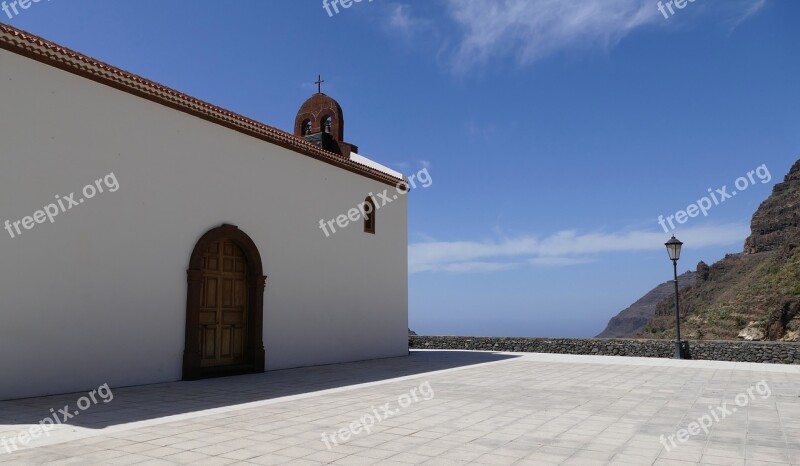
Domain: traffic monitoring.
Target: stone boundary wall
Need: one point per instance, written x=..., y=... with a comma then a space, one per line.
x=740, y=351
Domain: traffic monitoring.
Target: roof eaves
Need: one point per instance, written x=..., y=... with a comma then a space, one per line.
x=42, y=50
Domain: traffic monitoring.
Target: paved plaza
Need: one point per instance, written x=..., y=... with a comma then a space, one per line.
x=433, y=407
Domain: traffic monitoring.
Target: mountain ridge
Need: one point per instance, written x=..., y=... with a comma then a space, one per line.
x=750, y=295
x=634, y=318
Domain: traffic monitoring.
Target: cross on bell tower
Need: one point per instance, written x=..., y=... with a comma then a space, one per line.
x=319, y=82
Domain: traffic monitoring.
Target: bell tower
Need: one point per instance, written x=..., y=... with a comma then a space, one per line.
x=320, y=121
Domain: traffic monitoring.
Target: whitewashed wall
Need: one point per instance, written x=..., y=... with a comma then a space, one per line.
x=99, y=296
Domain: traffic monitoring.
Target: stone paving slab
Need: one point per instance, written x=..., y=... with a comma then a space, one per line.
x=438, y=408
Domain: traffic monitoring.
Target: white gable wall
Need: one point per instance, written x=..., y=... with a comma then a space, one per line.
x=99, y=296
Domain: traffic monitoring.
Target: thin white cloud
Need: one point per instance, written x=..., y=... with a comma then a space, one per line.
x=403, y=21
x=529, y=30
x=478, y=267
x=559, y=261
x=564, y=248
x=754, y=8
x=532, y=29
x=400, y=18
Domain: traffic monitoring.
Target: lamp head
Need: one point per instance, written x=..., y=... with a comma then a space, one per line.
x=674, y=248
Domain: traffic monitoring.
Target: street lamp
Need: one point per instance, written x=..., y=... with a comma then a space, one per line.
x=674, y=251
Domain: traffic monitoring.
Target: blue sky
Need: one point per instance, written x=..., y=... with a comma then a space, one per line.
x=555, y=132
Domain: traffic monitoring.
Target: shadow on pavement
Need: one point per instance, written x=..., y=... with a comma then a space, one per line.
x=146, y=402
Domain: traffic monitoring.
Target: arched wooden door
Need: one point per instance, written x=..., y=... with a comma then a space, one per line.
x=224, y=306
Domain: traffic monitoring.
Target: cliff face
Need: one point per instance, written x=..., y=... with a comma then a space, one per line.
x=753, y=295
x=633, y=320
x=776, y=223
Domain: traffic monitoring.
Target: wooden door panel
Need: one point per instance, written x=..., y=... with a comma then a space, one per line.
x=227, y=264
x=223, y=307
x=208, y=317
x=226, y=343
x=233, y=318
x=212, y=264
x=227, y=292
x=208, y=342
x=210, y=289
x=240, y=295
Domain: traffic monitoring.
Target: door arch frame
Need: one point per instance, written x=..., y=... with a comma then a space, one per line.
x=256, y=282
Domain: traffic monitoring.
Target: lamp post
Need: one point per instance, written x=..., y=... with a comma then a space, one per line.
x=674, y=251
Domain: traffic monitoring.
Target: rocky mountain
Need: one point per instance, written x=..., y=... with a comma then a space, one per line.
x=753, y=295
x=633, y=320
x=776, y=223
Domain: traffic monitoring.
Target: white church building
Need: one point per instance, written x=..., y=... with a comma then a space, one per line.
x=148, y=236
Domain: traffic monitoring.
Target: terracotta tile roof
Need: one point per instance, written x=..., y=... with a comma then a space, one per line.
x=39, y=49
